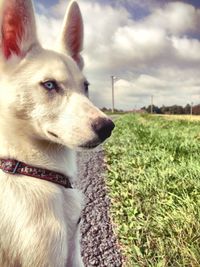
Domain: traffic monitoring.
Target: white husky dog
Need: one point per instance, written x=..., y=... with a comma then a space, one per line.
x=44, y=116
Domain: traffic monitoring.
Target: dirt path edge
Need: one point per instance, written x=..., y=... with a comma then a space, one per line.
x=99, y=244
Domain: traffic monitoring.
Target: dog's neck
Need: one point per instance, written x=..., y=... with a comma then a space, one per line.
x=15, y=144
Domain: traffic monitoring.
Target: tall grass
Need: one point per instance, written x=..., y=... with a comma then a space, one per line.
x=154, y=184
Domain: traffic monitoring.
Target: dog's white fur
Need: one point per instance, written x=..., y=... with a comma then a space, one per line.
x=38, y=219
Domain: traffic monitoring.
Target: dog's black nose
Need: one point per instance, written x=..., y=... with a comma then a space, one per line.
x=103, y=128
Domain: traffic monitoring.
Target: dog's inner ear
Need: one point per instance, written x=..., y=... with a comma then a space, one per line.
x=72, y=34
x=18, y=30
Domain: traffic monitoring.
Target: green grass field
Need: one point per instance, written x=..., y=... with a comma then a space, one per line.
x=154, y=184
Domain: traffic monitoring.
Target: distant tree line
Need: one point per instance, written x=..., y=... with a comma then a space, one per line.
x=109, y=110
x=175, y=109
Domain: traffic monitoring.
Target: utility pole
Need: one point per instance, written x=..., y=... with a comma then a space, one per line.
x=152, y=104
x=191, y=111
x=113, y=89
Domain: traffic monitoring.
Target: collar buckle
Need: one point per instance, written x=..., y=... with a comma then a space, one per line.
x=9, y=167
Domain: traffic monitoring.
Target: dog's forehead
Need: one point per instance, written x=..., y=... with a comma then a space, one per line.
x=53, y=65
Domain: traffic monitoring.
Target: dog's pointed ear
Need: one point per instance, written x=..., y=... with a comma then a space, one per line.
x=18, y=28
x=71, y=41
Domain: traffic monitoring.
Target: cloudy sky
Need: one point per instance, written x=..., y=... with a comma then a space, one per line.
x=151, y=46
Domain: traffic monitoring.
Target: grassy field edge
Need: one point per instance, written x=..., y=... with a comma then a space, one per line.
x=153, y=181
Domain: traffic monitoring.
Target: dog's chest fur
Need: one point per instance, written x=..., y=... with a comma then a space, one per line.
x=43, y=216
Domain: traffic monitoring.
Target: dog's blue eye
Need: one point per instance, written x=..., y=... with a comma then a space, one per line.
x=50, y=85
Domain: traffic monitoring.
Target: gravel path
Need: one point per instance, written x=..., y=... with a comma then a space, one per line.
x=99, y=244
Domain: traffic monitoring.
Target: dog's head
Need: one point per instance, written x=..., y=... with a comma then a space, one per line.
x=46, y=89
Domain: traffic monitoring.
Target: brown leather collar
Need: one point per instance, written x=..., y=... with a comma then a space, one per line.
x=12, y=166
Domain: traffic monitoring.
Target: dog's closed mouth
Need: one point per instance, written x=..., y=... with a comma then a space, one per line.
x=90, y=145
x=53, y=134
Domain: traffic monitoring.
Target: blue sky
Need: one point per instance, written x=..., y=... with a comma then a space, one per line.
x=48, y=2
x=196, y=3
x=153, y=47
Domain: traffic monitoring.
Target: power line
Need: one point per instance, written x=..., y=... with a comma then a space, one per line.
x=113, y=80
x=151, y=104
x=113, y=97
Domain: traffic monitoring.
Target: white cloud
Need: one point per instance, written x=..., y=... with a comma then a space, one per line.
x=177, y=18
x=152, y=56
x=188, y=49
x=48, y=30
x=135, y=45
